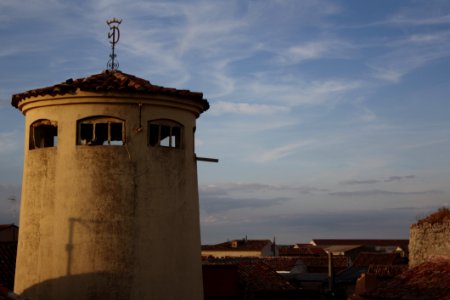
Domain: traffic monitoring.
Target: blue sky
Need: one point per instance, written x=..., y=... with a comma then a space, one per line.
x=330, y=118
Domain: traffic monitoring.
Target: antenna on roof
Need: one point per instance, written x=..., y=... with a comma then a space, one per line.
x=113, y=36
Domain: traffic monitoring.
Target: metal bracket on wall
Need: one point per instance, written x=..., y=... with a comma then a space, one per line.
x=207, y=159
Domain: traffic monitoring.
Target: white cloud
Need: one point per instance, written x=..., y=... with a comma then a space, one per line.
x=296, y=92
x=222, y=107
x=368, y=116
x=420, y=20
x=308, y=51
x=388, y=73
x=408, y=54
x=315, y=50
x=279, y=152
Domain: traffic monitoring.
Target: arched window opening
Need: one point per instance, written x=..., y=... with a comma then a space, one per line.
x=165, y=133
x=106, y=131
x=43, y=134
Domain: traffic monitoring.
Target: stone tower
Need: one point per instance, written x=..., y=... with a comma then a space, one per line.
x=110, y=195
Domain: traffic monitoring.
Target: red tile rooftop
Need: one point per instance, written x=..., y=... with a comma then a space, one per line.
x=386, y=271
x=285, y=263
x=366, y=259
x=261, y=277
x=430, y=280
x=110, y=81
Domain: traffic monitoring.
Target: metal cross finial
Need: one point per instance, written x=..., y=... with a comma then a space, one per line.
x=113, y=36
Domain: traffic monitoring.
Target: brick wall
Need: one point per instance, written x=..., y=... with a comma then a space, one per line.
x=427, y=240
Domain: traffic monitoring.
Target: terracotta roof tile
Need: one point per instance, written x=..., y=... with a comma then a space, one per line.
x=365, y=259
x=386, y=270
x=429, y=280
x=108, y=81
x=280, y=263
x=258, y=276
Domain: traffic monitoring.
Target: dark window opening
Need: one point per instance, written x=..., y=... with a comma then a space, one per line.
x=101, y=131
x=43, y=134
x=154, y=134
x=164, y=133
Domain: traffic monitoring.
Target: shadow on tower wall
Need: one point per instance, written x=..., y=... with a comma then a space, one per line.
x=89, y=286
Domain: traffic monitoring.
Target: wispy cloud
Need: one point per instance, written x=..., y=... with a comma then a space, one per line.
x=410, y=53
x=317, y=49
x=223, y=204
x=399, y=178
x=222, y=107
x=403, y=19
x=224, y=189
x=356, y=182
x=373, y=181
x=279, y=152
x=295, y=92
x=219, y=198
x=377, y=192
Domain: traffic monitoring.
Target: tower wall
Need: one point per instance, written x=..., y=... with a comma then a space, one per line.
x=114, y=222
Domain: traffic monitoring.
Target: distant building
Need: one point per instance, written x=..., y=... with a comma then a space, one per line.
x=378, y=245
x=241, y=248
x=9, y=233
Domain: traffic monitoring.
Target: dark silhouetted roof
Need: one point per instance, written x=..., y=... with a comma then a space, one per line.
x=258, y=276
x=365, y=259
x=9, y=233
x=300, y=250
x=110, y=81
x=254, y=274
x=382, y=265
x=6, y=226
x=280, y=263
x=365, y=242
x=241, y=245
x=316, y=263
x=8, y=252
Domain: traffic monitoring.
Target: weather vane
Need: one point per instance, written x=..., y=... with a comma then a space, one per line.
x=113, y=36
